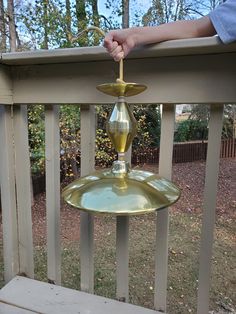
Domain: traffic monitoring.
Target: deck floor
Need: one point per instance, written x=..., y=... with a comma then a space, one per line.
x=24, y=296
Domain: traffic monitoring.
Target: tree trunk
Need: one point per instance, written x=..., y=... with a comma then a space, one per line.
x=81, y=14
x=125, y=15
x=95, y=13
x=68, y=22
x=12, y=25
x=3, y=39
x=95, y=19
x=81, y=20
x=45, y=23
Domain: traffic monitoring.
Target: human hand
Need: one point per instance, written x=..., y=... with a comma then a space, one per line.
x=119, y=42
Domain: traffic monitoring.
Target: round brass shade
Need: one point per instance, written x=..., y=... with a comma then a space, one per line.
x=121, y=89
x=135, y=192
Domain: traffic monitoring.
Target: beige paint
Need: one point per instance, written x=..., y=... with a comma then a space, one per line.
x=52, y=154
x=162, y=224
x=209, y=205
x=23, y=190
x=87, y=129
x=181, y=79
x=41, y=297
x=6, y=85
x=8, y=195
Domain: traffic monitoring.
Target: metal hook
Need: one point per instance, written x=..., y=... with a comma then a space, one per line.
x=102, y=33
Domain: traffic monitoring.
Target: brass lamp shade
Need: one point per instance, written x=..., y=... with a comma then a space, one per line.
x=135, y=192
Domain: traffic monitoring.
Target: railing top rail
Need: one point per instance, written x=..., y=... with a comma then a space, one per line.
x=207, y=45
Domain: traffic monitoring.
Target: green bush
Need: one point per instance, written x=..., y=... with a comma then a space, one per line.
x=36, y=138
x=148, y=133
x=191, y=130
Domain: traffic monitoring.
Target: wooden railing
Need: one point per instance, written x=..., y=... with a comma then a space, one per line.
x=189, y=71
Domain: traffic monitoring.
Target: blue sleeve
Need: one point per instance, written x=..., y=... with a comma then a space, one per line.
x=223, y=19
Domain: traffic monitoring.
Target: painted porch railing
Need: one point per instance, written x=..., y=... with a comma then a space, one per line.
x=184, y=71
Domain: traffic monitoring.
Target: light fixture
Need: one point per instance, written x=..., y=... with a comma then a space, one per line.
x=121, y=190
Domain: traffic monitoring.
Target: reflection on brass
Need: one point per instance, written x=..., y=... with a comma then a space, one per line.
x=121, y=126
x=137, y=192
x=120, y=168
x=120, y=191
x=121, y=89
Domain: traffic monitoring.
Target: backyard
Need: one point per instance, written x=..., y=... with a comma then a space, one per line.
x=184, y=242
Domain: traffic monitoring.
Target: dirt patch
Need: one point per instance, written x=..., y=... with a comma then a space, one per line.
x=188, y=176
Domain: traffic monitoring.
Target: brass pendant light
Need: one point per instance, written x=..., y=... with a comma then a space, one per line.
x=121, y=190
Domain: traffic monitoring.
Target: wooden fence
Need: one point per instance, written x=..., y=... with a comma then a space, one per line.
x=186, y=152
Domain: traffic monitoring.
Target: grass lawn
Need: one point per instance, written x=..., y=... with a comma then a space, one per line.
x=183, y=263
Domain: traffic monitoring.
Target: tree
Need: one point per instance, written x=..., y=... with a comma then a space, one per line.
x=165, y=11
x=3, y=42
x=149, y=122
x=12, y=25
x=191, y=130
x=45, y=5
x=45, y=23
x=81, y=21
x=70, y=139
x=68, y=22
x=125, y=13
x=200, y=112
x=95, y=14
x=196, y=127
x=229, y=122
x=36, y=138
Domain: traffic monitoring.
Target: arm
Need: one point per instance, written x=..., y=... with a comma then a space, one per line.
x=120, y=42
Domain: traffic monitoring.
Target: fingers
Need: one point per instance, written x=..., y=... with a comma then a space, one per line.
x=115, y=50
x=117, y=53
x=113, y=47
x=109, y=41
x=119, y=56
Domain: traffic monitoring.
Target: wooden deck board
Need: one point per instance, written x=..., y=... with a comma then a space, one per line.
x=45, y=298
x=9, y=309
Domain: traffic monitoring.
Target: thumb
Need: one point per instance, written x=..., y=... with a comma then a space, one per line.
x=108, y=40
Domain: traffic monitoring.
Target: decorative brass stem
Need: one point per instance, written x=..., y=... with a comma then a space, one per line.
x=121, y=70
x=102, y=33
x=87, y=30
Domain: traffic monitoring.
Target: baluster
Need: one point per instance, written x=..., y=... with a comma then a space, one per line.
x=122, y=251
x=162, y=225
x=122, y=258
x=23, y=190
x=209, y=205
x=52, y=151
x=87, y=127
x=8, y=194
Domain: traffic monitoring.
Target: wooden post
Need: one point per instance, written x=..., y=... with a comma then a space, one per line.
x=209, y=205
x=8, y=194
x=162, y=227
x=122, y=258
x=23, y=190
x=52, y=143
x=87, y=127
x=122, y=252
